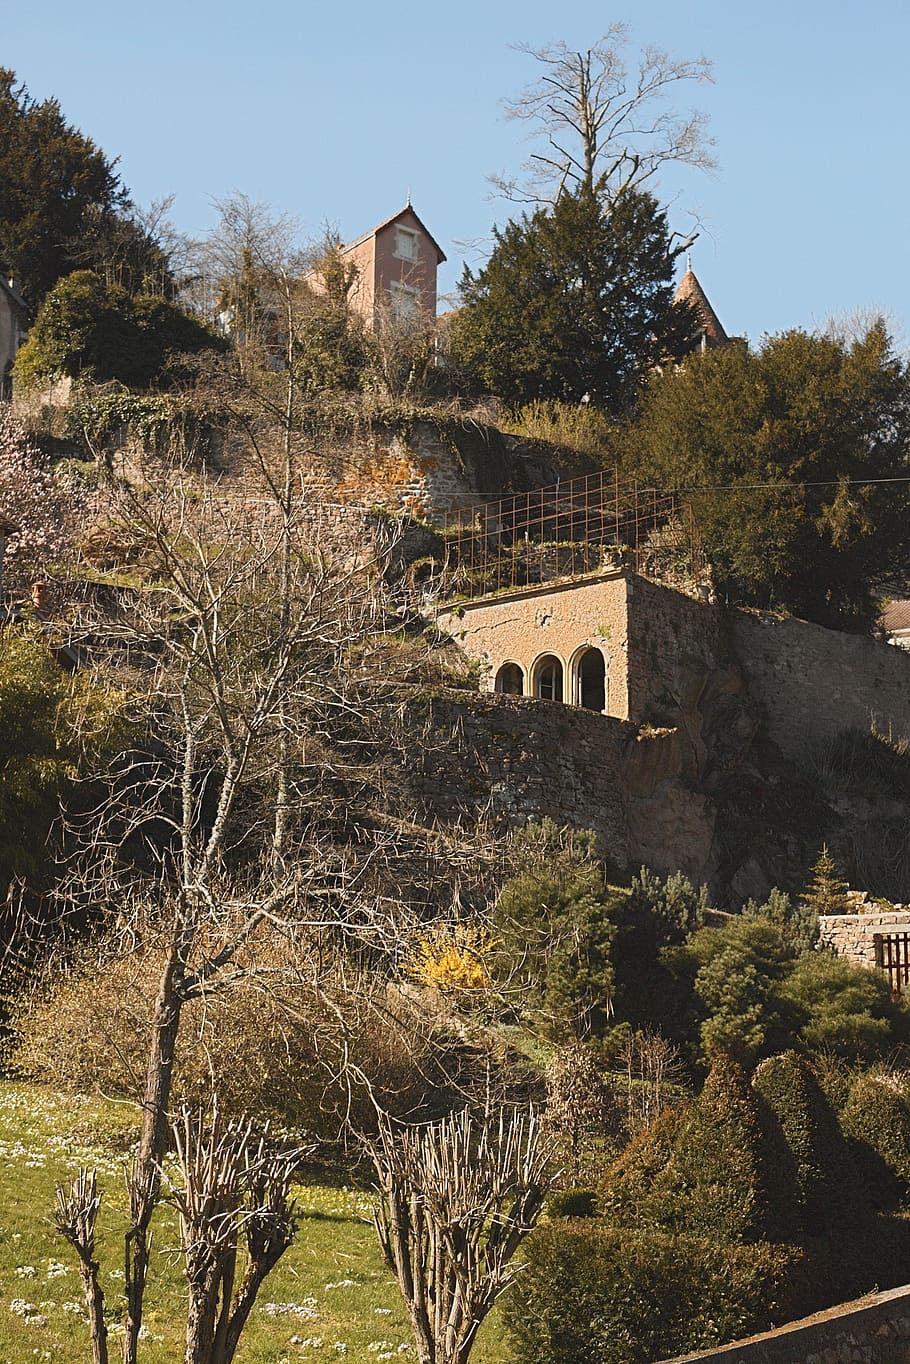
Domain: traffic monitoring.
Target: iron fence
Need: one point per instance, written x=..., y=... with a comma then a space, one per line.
x=564, y=530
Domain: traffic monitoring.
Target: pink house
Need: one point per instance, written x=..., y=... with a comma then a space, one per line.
x=396, y=270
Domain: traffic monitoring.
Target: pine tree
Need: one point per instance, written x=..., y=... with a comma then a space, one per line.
x=826, y=893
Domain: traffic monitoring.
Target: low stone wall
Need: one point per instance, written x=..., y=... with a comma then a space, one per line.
x=853, y=935
x=874, y=1330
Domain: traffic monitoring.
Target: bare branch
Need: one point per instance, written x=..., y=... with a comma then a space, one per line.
x=605, y=128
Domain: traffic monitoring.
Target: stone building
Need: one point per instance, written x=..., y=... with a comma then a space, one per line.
x=13, y=314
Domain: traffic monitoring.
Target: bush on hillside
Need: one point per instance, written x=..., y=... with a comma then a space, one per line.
x=656, y=916
x=739, y=969
x=88, y=328
x=272, y=1045
x=552, y=923
x=876, y=1119
x=824, y=1177
x=843, y=1009
x=591, y=1294
x=796, y=921
x=702, y=1170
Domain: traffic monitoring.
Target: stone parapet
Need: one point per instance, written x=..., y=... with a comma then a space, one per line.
x=872, y=1330
x=853, y=935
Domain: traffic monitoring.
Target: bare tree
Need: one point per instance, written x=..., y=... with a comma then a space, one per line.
x=456, y=1199
x=603, y=126
x=76, y=1217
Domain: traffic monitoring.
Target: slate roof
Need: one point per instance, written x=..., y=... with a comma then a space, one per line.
x=690, y=291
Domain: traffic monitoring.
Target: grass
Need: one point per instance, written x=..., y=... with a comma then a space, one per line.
x=330, y=1297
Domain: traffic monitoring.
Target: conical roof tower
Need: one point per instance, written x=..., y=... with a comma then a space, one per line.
x=690, y=291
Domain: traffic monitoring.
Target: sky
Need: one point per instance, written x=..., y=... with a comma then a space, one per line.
x=333, y=113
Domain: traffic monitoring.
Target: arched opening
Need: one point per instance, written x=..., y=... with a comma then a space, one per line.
x=510, y=680
x=591, y=680
x=548, y=678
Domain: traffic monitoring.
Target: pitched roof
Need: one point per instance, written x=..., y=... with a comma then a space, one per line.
x=12, y=294
x=690, y=291
x=408, y=208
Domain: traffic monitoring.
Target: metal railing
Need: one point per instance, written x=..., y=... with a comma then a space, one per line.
x=581, y=526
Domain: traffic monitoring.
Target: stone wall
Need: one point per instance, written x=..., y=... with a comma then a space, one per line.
x=852, y=935
x=520, y=759
x=430, y=469
x=811, y=683
x=874, y=1330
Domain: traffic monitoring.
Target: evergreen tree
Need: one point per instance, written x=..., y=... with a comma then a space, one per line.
x=575, y=302
x=826, y=892
x=785, y=455
x=62, y=203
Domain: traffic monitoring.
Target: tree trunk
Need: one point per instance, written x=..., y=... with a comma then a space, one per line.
x=145, y=1180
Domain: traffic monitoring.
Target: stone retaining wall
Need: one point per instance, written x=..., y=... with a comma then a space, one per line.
x=521, y=758
x=874, y=1330
x=812, y=684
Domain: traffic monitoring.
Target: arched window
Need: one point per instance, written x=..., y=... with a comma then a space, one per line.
x=510, y=680
x=548, y=678
x=591, y=680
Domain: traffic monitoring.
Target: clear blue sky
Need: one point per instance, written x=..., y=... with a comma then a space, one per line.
x=332, y=112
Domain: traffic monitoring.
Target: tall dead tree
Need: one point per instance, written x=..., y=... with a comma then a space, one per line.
x=456, y=1200
x=605, y=127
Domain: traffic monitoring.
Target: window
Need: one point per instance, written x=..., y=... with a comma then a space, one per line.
x=510, y=680
x=405, y=302
x=591, y=680
x=548, y=679
x=406, y=244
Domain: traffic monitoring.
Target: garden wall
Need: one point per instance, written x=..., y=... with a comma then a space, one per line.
x=874, y=1330
x=852, y=935
x=521, y=758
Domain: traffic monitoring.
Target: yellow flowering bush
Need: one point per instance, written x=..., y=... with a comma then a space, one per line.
x=452, y=957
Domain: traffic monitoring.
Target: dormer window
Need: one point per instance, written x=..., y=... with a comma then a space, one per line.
x=406, y=244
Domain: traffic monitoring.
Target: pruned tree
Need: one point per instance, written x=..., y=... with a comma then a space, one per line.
x=76, y=1219
x=230, y=1190
x=456, y=1200
x=603, y=127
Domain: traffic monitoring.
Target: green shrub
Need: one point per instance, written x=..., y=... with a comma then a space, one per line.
x=591, y=1294
x=700, y=1170
x=553, y=927
x=657, y=916
x=573, y=1203
x=739, y=968
x=843, y=1009
x=85, y=327
x=824, y=1178
x=574, y=426
x=796, y=921
x=876, y=1119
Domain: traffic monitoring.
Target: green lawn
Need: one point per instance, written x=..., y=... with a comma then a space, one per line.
x=329, y=1297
